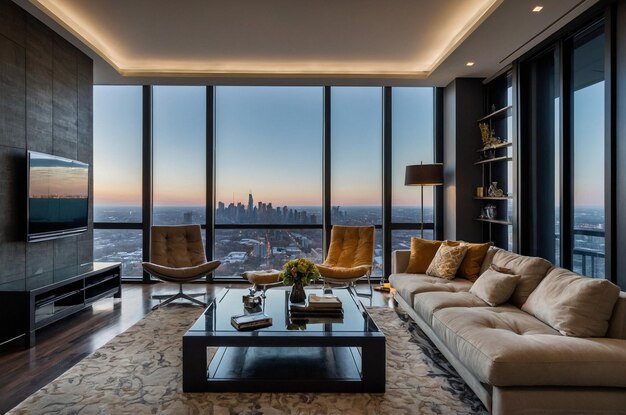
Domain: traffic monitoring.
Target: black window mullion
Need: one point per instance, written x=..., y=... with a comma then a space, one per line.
x=326, y=171
x=146, y=169
x=567, y=154
x=387, y=181
x=210, y=175
x=610, y=154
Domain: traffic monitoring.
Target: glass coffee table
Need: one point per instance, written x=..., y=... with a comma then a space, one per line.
x=341, y=356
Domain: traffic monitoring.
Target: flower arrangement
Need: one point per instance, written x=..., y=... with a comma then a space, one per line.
x=300, y=269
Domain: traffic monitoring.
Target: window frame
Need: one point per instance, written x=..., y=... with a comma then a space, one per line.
x=387, y=226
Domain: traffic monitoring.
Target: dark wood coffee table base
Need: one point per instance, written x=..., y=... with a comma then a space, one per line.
x=297, y=362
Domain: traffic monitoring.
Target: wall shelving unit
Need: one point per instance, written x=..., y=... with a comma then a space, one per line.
x=493, y=163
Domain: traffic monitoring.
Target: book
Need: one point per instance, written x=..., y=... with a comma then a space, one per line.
x=317, y=319
x=250, y=321
x=315, y=313
x=306, y=308
x=324, y=301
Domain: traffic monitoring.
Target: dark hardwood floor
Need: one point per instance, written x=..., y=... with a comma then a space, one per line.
x=63, y=344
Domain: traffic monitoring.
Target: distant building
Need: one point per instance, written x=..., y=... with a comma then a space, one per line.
x=235, y=257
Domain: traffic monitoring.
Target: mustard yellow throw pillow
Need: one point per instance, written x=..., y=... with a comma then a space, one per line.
x=422, y=253
x=473, y=260
x=446, y=261
x=470, y=267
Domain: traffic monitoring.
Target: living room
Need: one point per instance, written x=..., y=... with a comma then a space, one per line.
x=269, y=131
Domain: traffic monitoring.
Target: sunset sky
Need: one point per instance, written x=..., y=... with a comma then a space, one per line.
x=268, y=141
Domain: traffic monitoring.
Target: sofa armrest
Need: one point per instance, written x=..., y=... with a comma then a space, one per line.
x=617, y=323
x=400, y=260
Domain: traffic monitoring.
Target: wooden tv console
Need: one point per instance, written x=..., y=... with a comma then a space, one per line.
x=29, y=304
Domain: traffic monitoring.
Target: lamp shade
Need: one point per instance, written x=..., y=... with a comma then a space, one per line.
x=424, y=175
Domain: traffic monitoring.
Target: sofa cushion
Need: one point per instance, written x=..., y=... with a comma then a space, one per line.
x=407, y=285
x=488, y=260
x=425, y=304
x=572, y=304
x=531, y=271
x=504, y=346
x=494, y=287
x=422, y=253
x=473, y=259
x=447, y=261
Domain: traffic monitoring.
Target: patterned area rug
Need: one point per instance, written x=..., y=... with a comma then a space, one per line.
x=139, y=372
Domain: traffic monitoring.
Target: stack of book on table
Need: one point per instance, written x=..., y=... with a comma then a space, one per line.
x=251, y=321
x=325, y=308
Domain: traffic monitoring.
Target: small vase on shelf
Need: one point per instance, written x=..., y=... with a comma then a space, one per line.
x=297, y=292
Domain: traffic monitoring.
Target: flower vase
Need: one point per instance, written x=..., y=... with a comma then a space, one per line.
x=297, y=292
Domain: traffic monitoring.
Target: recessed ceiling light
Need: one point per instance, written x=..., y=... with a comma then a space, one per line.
x=469, y=64
x=537, y=9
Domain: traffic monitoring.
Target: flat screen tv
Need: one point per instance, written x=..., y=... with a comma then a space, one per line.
x=58, y=197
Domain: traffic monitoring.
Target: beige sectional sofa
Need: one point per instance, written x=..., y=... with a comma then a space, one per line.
x=512, y=360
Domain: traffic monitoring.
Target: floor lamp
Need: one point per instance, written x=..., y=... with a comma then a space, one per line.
x=424, y=175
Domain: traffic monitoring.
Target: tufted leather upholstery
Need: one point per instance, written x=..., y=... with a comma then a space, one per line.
x=177, y=246
x=177, y=254
x=350, y=254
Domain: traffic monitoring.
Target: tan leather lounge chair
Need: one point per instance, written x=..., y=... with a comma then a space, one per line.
x=350, y=256
x=177, y=255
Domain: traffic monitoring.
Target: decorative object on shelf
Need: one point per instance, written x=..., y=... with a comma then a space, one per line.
x=298, y=273
x=423, y=175
x=488, y=212
x=480, y=191
x=488, y=154
x=494, y=191
x=489, y=139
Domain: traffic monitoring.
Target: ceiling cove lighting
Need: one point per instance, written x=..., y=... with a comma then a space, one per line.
x=82, y=21
x=537, y=9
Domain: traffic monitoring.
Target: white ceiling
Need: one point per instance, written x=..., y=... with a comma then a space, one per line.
x=392, y=42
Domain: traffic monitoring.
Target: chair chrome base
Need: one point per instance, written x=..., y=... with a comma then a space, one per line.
x=169, y=298
x=350, y=285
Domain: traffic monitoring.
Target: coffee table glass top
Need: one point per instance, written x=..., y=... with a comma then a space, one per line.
x=229, y=303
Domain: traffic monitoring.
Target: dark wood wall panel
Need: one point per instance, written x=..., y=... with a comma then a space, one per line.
x=12, y=22
x=12, y=218
x=46, y=105
x=39, y=86
x=13, y=96
x=64, y=99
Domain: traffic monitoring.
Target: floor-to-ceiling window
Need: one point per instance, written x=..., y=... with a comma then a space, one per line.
x=412, y=143
x=356, y=161
x=268, y=176
x=179, y=155
x=117, y=136
x=563, y=151
x=587, y=142
x=259, y=159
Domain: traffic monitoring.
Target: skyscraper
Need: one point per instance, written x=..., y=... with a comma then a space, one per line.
x=250, y=203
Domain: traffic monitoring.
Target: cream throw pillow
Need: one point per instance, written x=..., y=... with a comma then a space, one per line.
x=446, y=261
x=494, y=286
x=572, y=304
